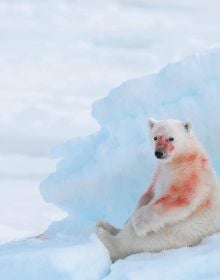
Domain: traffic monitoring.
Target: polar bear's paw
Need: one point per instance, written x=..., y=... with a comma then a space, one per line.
x=104, y=235
x=110, y=228
x=109, y=242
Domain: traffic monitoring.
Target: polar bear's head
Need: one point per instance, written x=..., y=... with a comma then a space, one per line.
x=169, y=137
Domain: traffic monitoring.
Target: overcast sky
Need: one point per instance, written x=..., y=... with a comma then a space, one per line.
x=57, y=57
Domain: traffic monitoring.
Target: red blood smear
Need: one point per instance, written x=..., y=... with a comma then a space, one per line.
x=205, y=204
x=185, y=158
x=163, y=143
x=204, y=162
x=180, y=194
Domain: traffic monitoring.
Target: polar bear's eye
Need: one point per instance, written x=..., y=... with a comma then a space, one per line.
x=171, y=139
x=155, y=138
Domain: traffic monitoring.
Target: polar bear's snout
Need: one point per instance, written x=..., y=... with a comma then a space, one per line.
x=160, y=154
x=163, y=146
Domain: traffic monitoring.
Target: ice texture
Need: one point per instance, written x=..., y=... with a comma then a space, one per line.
x=102, y=175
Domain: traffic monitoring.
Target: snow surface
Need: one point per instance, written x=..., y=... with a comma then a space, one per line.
x=102, y=175
x=34, y=260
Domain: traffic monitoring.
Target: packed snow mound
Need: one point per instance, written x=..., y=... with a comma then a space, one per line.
x=34, y=259
x=102, y=175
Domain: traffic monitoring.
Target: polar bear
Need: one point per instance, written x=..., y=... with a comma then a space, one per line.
x=182, y=203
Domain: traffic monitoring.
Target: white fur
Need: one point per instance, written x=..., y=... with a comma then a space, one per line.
x=151, y=229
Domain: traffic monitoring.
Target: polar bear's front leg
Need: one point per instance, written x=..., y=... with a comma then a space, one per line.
x=145, y=219
x=176, y=204
x=168, y=209
x=146, y=197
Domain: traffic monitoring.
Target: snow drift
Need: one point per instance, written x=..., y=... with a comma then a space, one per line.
x=52, y=260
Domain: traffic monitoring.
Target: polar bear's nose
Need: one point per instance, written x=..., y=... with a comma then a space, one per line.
x=159, y=154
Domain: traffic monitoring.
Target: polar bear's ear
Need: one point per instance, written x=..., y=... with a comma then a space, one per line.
x=187, y=126
x=151, y=122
